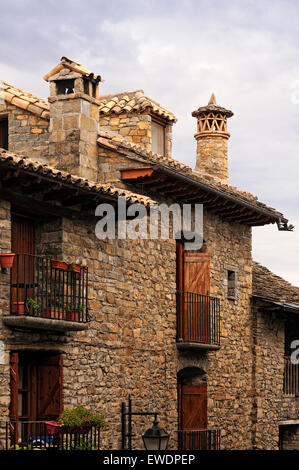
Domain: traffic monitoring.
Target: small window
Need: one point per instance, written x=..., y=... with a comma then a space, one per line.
x=158, y=138
x=4, y=134
x=231, y=285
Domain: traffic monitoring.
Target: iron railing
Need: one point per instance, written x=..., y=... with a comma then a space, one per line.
x=30, y=435
x=291, y=378
x=198, y=318
x=203, y=439
x=40, y=289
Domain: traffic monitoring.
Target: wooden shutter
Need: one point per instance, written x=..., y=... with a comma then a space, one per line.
x=22, y=242
x=158, y=138
x=196, y=272
x=14, y=361
x=49, y=388
x=22, y=235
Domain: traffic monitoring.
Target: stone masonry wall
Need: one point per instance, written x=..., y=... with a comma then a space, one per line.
x=212, y=156
x=136, y=128
x=28, y=134
x=74, y=131
x=271, y=406
x=229, y=370
x=5, y=244
x=129, y=346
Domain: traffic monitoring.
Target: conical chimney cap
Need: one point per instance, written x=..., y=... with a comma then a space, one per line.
x=212, y=99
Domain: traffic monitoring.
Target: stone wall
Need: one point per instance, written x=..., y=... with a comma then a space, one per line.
x=129, y=346
x=212, y=156
x=74, y=131
x=229, y=370
x=271, y=406
x=136, y=128
x=28, y=134
x=5, y=244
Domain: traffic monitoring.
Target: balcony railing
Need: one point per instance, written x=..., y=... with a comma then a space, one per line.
x=30, y=435
x=39, y=289
x=203, y=439
x=291, y=378
x=198, y=319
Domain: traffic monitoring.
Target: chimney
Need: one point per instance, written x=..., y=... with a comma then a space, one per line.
x=74, y=118
x=212, y=137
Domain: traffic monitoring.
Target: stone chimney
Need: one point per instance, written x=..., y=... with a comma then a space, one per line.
x=212, y=137
x=74, y=118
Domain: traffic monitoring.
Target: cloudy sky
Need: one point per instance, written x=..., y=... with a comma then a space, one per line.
x=179, y=52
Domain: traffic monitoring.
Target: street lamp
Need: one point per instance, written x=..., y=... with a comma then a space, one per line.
x=155, y=438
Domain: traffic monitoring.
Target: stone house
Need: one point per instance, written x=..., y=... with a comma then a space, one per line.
x=202, y=337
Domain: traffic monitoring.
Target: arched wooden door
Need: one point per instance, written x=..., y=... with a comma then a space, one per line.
x=192, y=416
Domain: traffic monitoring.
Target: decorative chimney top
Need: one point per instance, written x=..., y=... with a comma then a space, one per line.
x=70, y=77
x=212, y=139
x=212, y=107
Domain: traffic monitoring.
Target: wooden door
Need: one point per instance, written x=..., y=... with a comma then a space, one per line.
x=49, y=388
x=36, y=390
x=22, y=243
x=195, y=284
x=193, y=416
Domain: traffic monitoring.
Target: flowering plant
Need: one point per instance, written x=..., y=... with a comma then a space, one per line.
x=81, y=416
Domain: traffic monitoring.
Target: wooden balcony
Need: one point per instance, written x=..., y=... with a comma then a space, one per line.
x=202, y=439
x=198, y=321
x=47, y=297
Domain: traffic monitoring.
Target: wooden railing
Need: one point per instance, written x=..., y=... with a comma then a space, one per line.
x=30, y=435
x=203, y=439
x=40, y=289
x=198, y=318
x=291, y=378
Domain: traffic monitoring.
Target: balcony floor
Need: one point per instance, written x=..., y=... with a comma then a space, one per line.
x=189, y=346
x=38, y=323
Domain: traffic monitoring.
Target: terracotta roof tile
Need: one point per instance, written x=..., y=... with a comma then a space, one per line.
x=18, y=161
x=25, y=100
x=133, y=101
x=111, y=140
x=66, y=62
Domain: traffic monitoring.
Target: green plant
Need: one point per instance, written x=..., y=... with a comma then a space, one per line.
x=17, y=447
x=81, y=416
x=31, y=303
x=80, y=443
x=75, y=307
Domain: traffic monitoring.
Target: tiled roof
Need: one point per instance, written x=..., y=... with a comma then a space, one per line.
x=117, y=142
x=112, y=140
x=24, y=100
x=269, y=286
x=24, y=163
x=66, y=62
x=133, y=101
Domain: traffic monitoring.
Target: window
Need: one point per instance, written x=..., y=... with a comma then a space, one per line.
x=231, y=285
x=158, y=138
x=4, y=133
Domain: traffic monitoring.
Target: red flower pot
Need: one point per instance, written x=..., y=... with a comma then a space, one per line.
x=6, y=260
x=19, y=308
x=56, y=264
x=52, y=428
